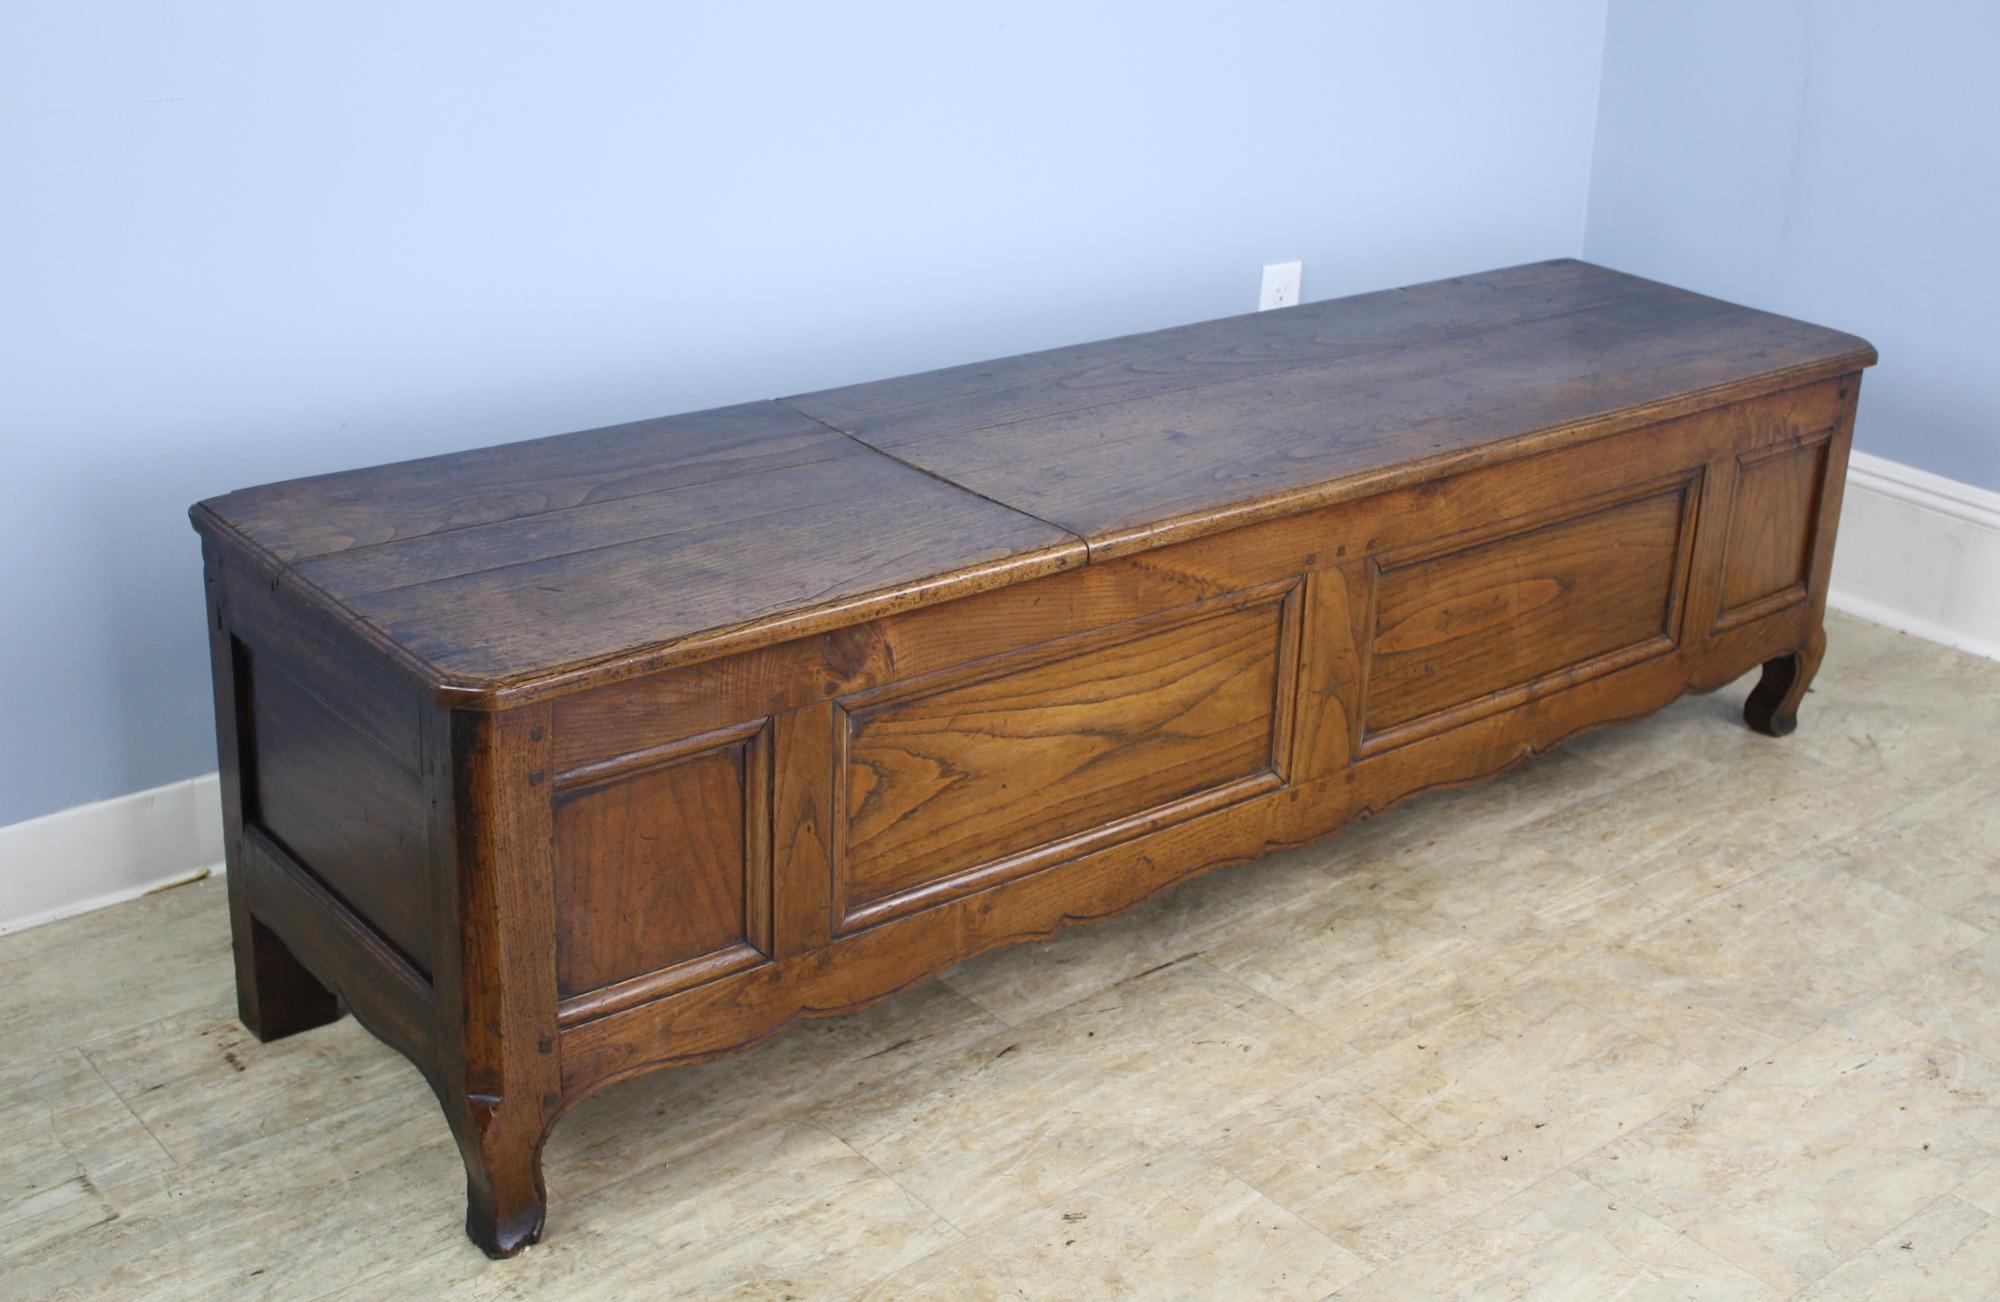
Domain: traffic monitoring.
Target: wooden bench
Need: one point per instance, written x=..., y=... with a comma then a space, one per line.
x=570, y=759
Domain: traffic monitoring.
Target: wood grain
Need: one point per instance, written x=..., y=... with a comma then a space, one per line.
x=1239, y=450
x=941, y=779
x=599, y=581
x=1451, y=627
x=495, y=1064
x=277, y=994
x=326, y=514
x=889, y=413
x=1770, y=529
x=660, y=866
x=341, y=806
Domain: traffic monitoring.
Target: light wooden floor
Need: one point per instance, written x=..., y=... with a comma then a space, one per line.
x=1679, y=1011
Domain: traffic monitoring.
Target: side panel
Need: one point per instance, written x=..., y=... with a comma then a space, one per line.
x=341, y=805
x=329, y=807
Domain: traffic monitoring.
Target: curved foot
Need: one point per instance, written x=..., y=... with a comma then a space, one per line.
x=503, y=1226
x=1773, y=707
x=505, y=1200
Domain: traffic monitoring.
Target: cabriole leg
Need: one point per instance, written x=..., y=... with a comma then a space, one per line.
x=497, y=1071
x=1773, y=707
x=505, y=1200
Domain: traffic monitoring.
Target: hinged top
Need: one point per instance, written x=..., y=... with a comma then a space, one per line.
x=576, y=558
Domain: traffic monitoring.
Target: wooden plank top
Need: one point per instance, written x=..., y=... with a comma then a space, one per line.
x=1139, y=441
x=514, y=570
x=487, y=570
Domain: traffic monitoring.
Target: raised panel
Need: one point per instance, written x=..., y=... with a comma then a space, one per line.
x=336, y=801
x=1485, y=625
x=952, y=782
x=662, y=870
x=1771, y=519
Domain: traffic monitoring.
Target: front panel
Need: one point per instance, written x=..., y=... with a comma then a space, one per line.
x=1772, y=518
x=1056, y=737
x=662, y=869
x=1473, y=625
x=954, y=781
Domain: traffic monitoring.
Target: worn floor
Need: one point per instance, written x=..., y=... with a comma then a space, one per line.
x=1678, y=1011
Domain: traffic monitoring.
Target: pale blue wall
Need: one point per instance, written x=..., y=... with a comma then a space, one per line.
x=245, y=242
x=1837, y=160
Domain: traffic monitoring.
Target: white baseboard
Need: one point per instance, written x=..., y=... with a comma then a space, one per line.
x=84, y=858
x=1917, y=552
x=1920, y=553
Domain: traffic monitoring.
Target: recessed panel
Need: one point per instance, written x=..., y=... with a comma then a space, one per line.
x=1770, y=530
x=1475, y=622
x=940, y=782
x=660, y=867
x=336, y=800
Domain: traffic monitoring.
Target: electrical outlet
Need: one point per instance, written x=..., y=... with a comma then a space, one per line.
x=1281, y=285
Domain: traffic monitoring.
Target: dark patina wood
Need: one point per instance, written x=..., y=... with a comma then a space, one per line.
x=565, y=760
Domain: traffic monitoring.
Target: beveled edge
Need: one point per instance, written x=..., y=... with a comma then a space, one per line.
x=463, y=691
x=1129, y=540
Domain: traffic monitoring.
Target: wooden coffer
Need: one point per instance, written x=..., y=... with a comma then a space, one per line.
x=564, y=760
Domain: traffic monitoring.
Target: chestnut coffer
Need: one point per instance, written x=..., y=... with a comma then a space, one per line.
x=568, y=759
